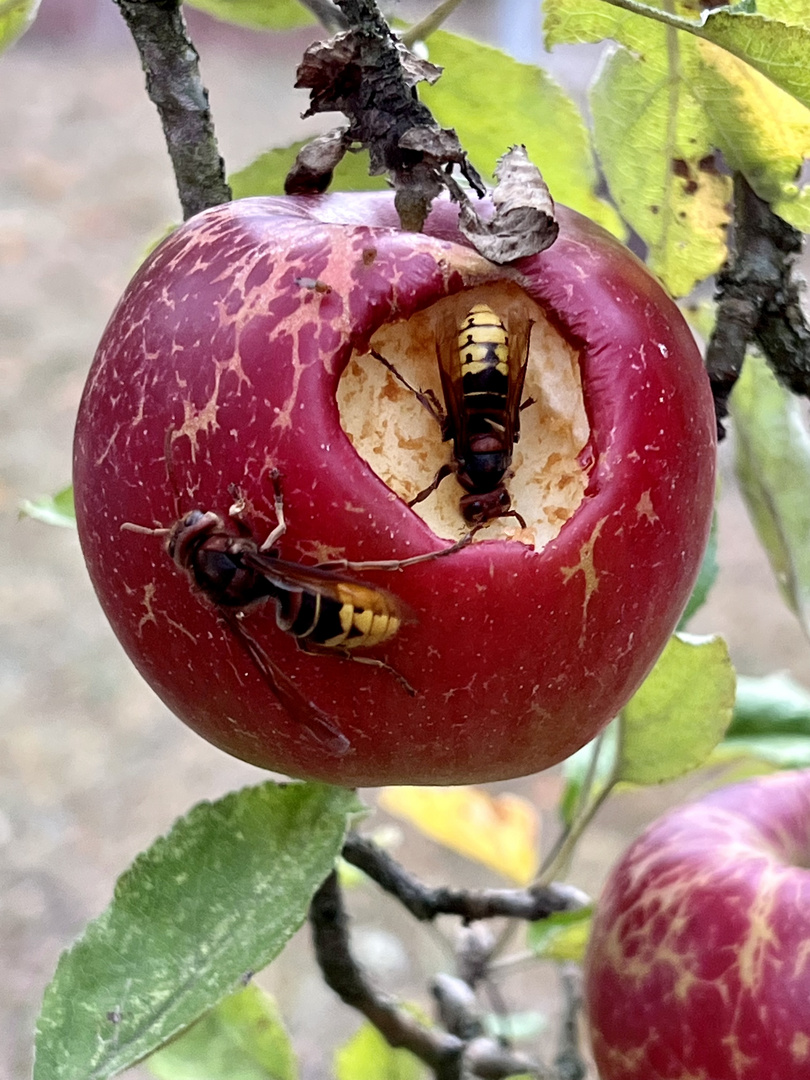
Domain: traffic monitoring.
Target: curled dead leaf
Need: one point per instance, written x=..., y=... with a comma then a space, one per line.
x=524, y=222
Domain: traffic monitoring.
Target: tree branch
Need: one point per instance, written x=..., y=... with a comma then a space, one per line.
x=171, y=64
x=439, y=1050
x=568, y=1063
x=425, y=902
x=758, y=302
x=367, y=75
x=461, y=1052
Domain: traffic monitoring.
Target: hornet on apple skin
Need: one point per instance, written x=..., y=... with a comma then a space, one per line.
x=325, y=611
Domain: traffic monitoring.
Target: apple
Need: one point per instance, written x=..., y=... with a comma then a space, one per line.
x=697, y=964
x=241, y=349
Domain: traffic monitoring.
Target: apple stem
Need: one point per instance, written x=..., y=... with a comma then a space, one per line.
x=586, y=809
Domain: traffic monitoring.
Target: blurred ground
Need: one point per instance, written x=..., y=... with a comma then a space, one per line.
x=92, y=767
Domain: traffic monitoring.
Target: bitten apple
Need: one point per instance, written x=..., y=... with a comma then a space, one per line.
x=244, y=347
x=699, y=960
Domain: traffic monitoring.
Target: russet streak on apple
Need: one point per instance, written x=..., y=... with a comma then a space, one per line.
x=699, y=958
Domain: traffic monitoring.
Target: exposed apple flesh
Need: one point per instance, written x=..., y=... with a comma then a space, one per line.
x=402, y=442
x=698, y=961
x=223, y=361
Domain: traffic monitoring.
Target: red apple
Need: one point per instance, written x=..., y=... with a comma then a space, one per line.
x=241, y=346
x=699, y=960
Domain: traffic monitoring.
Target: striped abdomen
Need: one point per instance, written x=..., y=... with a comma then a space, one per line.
x=356, y=617
x=483, y=346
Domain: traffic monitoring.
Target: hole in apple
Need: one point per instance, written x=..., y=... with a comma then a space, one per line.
x=402, y=442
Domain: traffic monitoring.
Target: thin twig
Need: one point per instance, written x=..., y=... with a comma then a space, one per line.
x=555, y=865
x=426, y=902
x=583, y=798
x=328, y=14
x=441, y=1051
x=422, y=30
x=171, y=64
x=568, y=1064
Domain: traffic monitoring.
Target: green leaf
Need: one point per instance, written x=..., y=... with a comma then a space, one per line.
x=777, y=751
x=493, y=102
x=242, y=1038
x=258, y=14
x=265, y=175
x=561, y=937
x=367, y=1056
x=679, y=714
x=55, y=509
x=15, y=18
x=706, y=577
x=795, y=12
x=773, y=467
x=778, y=50
x=216, y=899
x=773, y=705
x=573, y=22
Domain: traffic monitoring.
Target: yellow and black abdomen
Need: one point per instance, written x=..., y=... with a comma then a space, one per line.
x=484, y=449
x=483, y=346
x=351, y=616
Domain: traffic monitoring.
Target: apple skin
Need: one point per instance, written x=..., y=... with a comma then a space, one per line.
x=699, y=960
x=221, y=362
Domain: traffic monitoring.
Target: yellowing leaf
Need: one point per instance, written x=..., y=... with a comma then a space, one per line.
x=774, y=40
x=655, y=143
x=763, y=132
x=775, y=48
x=674, y=94
x=367, y=1056
x=499, y=831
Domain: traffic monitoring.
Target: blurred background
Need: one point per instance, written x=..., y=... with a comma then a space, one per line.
x=92, y=767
